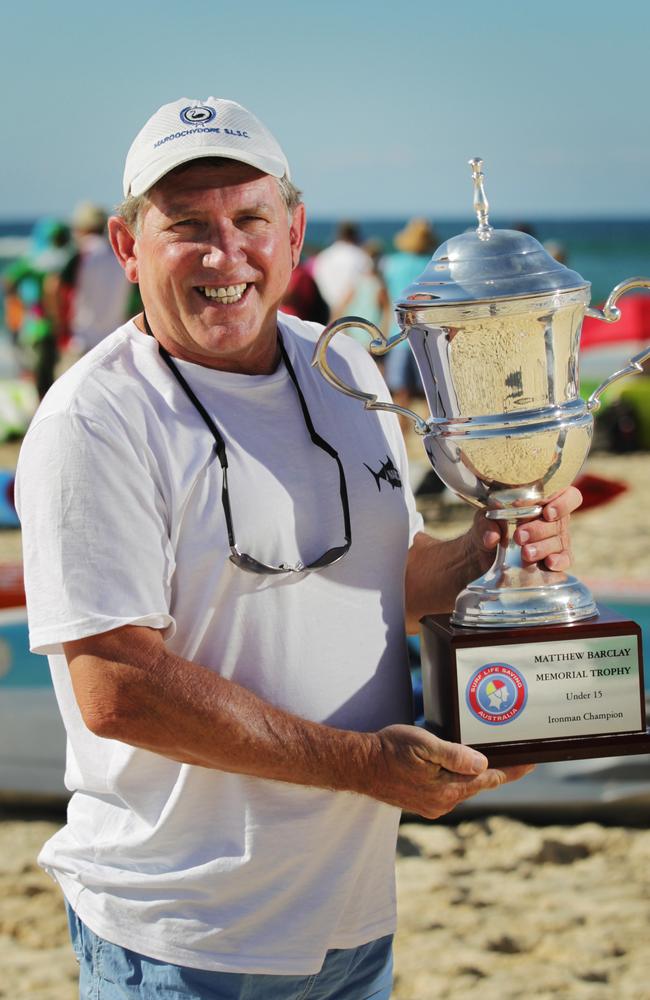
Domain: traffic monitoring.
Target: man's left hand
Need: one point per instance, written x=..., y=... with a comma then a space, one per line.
x=437, y=570
x=544, y=539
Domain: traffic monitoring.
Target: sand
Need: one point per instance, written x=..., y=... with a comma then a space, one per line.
x=488, y=909
x=498, y=909
x=493, y=909
x=36, y=960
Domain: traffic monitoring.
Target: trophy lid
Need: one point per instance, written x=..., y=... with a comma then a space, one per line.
x=487, y=263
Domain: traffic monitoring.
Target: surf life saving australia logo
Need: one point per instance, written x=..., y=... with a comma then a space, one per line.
x=199, y=117
x=496, y=693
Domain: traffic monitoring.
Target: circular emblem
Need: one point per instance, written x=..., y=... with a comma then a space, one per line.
x=198, y=115
x=496, y=693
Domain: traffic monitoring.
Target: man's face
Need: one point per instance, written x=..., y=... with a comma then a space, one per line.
x=213, y=255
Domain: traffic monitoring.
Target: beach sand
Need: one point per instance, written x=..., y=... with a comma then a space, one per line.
x=493, y=909
x=36, y=960
x=489, y=909
x=498, y=909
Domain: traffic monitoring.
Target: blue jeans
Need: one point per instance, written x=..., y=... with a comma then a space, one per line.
x=108, y=972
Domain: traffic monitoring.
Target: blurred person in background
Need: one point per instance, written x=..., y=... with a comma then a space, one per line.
x=521, y=226
x=557, y=250
x=31, y=310
x=338, y=268
x=92, y=289
x=303, y=298
x=413, y=248
x=370, y=298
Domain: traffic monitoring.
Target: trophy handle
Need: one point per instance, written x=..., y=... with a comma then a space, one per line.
x=633, y=367
x=610, y=313
x=378, y=346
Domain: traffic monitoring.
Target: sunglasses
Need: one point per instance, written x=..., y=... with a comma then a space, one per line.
x=241, y=559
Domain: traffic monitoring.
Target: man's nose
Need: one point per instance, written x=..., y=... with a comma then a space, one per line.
x=223, y=247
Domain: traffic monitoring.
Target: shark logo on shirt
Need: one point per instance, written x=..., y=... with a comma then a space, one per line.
x=387, y=474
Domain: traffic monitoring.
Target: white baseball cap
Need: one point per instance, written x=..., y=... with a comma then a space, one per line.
x=189, y=129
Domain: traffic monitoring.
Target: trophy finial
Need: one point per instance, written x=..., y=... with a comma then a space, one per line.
x=481, y=204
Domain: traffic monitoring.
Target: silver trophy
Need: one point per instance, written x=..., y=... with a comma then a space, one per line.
x=494, y=324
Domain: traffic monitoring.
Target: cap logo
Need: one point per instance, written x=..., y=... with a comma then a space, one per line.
x=198, y=115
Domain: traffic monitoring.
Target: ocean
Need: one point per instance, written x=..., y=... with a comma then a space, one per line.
x=603, y=251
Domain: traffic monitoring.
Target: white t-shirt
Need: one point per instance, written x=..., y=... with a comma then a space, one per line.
x=101, y=293
x=119, y=492
x=338, y=269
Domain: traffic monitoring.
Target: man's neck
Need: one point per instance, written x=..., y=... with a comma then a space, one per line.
x=144, y=326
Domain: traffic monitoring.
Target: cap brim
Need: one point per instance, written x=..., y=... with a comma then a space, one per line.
x=159, y=168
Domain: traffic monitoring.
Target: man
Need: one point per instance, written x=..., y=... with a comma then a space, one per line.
x=339, y=268
x=30, y=300
x=412, y=249
x=220, y=588
x=92, y=286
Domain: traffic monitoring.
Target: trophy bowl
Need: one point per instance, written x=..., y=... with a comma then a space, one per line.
x=508, y=431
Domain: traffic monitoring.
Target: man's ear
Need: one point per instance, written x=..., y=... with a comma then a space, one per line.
x=124, y=246
x=297, y=233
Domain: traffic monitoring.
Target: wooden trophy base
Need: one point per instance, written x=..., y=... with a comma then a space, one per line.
x=540, y=693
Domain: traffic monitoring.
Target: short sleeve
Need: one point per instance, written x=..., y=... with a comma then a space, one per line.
x=96, y=548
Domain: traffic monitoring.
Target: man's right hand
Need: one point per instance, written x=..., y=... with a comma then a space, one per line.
x=423, y=774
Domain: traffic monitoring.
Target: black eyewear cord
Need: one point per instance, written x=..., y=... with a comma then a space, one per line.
x=241, y=559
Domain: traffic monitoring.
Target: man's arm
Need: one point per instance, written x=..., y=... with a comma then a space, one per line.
x=436, y=571
x=131, y=688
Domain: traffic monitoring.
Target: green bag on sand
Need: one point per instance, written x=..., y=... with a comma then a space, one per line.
x=636, y=396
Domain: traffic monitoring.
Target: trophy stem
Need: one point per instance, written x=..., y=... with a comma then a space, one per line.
x=516, y=594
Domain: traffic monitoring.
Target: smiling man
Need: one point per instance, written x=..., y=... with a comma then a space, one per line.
x=222, y=584
x=216, y=308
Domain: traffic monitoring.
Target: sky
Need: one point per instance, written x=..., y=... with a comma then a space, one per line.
x=378, y=106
